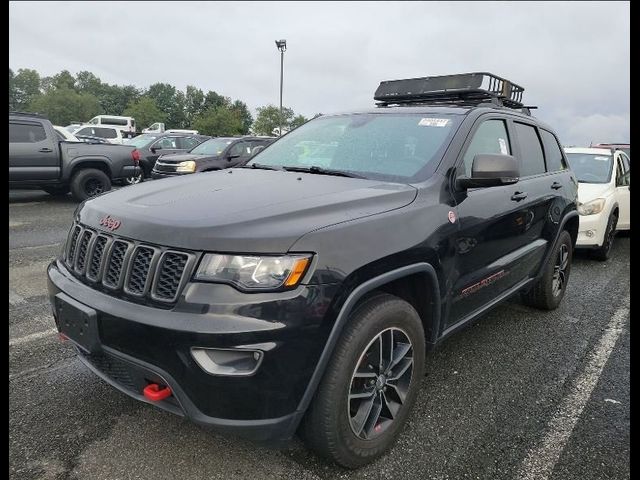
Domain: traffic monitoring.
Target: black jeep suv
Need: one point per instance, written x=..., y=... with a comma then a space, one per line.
x=301, y=291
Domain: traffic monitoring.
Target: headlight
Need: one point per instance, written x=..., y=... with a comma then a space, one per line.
x=254, y=272
x=187, y=166
x=591, y=208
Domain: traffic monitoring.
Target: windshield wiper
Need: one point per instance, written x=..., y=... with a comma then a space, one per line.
x=262, y=166
x=323, y=171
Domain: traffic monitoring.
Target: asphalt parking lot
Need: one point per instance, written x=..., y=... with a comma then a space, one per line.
x=520, y=394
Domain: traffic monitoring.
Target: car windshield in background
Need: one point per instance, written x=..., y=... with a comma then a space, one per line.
x=215, y=146
x=392, y=147
x=141, y=140
x=591, y=168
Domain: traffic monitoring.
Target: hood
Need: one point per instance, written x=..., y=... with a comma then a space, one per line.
x=241, y=210
x=590, y=191
x=182, y=157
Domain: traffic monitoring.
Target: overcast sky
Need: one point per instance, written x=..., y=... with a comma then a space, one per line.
x=572, y=58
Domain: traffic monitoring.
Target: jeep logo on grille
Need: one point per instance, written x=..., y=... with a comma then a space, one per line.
x=110, y=223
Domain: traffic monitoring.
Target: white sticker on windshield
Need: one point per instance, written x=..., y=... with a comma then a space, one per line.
x=503, y=146
x=433, y=122
x=602, y=159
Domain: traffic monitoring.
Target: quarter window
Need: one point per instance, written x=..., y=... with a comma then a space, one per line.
x=26, y=133
x=552, y=152
x=490, y=137
x=532, y=161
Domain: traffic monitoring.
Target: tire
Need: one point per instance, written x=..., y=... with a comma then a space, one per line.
x=330, y=425
x=88, y=183
x=547, y=293
x=56, y=191
x=602, y=254
x=135, y=180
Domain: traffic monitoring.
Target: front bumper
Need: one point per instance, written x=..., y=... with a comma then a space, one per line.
x=141, y=344
x=592, y=230
x=155, y=174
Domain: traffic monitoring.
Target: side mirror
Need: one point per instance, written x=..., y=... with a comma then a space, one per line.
x=491, y=170
x=231, y=157
x=155, y=148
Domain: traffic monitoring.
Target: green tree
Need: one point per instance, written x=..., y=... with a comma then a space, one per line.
x=64, y=79
x=297, y=121
x=244, y=113
x=268, y=119
x=220, y=121
x=163, y=94
x=214, y=100
x=87, y=82
x=176, y=116
x=26, y=86
x=63, y=105
x=12, y=91
x=145, y=111
x=194, y=103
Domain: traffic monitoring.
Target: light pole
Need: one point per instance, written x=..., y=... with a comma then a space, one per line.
x=282, y=46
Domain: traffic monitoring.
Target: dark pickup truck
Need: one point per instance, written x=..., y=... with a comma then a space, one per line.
x=38, y=159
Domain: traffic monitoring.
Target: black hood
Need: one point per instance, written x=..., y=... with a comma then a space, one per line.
x=241, y=210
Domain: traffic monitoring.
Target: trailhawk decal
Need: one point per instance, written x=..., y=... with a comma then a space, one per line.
x=483, y=283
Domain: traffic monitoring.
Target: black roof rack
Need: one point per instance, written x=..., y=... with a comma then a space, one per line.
x=28, y=114
x=462, y=89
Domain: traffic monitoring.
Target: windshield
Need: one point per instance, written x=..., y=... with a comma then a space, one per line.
x=215, y=146
x=591, y=168
x=141, y=140
x=399, y=147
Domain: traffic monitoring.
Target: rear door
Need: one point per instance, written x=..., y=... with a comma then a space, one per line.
x=623, y=194
x=500, y=239
x=32, y=155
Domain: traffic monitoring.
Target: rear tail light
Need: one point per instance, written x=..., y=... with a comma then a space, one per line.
x=135, y=155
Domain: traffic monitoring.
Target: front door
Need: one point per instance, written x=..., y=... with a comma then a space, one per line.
x=623, y=185
x=32, y=156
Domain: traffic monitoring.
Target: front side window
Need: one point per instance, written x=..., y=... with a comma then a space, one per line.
x=188, y=143
x=623, y=174
x=241, y=149
x=214, y=146
x=552, y=152
x=590, y=167
x=167, y=143
x=26, y=133
x=402, y=147
x=141, y=140
x=532, y=161
x=106, y=132
x=490, y=138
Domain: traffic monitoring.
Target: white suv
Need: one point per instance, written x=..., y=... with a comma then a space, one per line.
x=110, y=134
x=603, y=196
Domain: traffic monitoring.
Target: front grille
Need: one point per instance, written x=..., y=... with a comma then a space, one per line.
x=165, y=167
x=111, y=367
x=114, y=264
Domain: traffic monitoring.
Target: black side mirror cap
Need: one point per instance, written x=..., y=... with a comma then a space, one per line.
x=491, y=170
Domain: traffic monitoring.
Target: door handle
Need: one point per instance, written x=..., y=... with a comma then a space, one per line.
x=556, y=185
x=516, y=197
x=45, y=150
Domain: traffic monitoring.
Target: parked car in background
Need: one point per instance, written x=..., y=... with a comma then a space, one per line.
x=127, y=124
x=64, y=134
x=153, y=145
x=214, y=154
x=72, y=127
x=625, y=147
x=90, y=139
x=604, y=179
x=110, y=134
x=38, y=159
x=160, y=128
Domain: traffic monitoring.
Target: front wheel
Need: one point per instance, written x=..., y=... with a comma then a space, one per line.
x=370, y=384
x=604, y=251
x=549, y=291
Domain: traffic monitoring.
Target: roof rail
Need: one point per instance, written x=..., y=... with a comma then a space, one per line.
x=28, y=114
x=463, y=89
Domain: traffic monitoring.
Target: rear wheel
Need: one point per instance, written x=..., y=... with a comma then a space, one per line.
x=88, y=183
x=604, y=251
x=370, y=384
x=548, y=292
x=135, y=180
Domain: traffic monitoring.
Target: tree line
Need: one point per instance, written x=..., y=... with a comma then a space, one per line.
x=66, y=99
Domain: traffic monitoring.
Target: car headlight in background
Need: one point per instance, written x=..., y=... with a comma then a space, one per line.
x=591, y=208
x=254, y=272
x=186, y=166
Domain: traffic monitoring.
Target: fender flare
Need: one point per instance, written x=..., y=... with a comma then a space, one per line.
x=343, y=316
x=80, y=160
x=569, y=215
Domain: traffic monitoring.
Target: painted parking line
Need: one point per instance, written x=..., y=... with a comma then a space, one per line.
x=35, y=247
x=32, y=337
x=542, y=458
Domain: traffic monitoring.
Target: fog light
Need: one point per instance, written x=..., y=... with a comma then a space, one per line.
x=229, y=362
x=590, y=233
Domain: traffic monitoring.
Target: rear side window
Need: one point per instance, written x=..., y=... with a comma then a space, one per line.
x=114, y=121
x=106, y=132
x=490, y=137
x=26, y=133
x=532, y=161
x=552, y=152
x=188, y=142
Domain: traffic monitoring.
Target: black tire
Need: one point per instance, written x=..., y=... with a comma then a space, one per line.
x=56, y=191
x=545, y=294
x=135, y=180
x=604, y=252
x=328, y=426
x=88, y=183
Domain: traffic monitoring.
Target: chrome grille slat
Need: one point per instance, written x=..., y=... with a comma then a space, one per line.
x=115, y=264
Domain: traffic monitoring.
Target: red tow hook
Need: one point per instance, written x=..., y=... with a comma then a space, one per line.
x=155, y=392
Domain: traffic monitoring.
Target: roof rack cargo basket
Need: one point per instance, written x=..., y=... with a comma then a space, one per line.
x=464, y=89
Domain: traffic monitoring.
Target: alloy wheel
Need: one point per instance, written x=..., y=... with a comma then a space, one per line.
x=93, y=187
x=380, y=383
x=559, y=278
